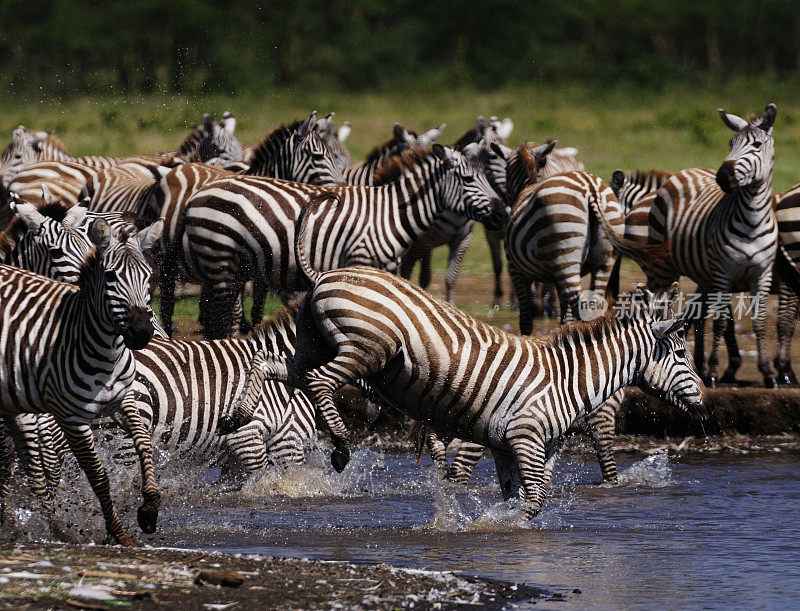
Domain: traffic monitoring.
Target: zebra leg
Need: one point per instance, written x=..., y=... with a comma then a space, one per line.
x=259, y=301
x=788, y=307
x=425, y=268
x=601, y=424
x=464, y=462
x=494, y=239
x=530, y=456
x=168, y=278
x=25, y=431
x=53, y=447
x=734, y=357
x=760, y=327
x=81, y=442
x=407, y=262
x=522, y=288
x=6, y=460
x=509, y=476
x=238, y=316
x=351, y=363
x=248, y=446
x=700, y=340
x=437, y=450
x=223, y=298
x=147, y=514
x=550, y=300
x=457, y=247
x=569, y=291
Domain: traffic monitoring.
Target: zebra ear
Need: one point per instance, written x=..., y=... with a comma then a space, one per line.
x=643, y=295
x=208, y=123
x=663, y=328
x=617, y=180
x=497, y=150
x=29, y=213
x=228, y=122
x=47, y=195
x=442, y=154
x=75, y=216
x=732, y=121
x=541, y=152
x=472, y=150
x=100, y=234
x=306, y=125
x=505, y=128
x=432, y=134
x=480, y=126
x=344, y=131
x=770, y=112
x=149, y=235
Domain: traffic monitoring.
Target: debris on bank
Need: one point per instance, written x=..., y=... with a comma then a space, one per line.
x=103, y=577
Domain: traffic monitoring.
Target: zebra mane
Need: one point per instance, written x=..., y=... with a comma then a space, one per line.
x=529, y=163
x=470, y=136
x=12, y=234
x=376, y=153
x=396, y=166
x=264, y=151
x=283, y=318
x=588, y=332
x=643, y=177
x=55, y=143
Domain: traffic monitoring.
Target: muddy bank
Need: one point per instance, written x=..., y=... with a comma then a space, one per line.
x=102, y=577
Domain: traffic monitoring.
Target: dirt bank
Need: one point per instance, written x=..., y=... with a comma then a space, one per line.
x=103, y=577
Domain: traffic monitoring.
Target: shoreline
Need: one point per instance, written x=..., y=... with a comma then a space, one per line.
x=64, y=576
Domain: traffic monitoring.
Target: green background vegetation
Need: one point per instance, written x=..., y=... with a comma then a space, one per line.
x=631, y=84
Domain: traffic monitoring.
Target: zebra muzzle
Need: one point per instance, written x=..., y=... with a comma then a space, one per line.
x=726, y=177
x=140, y=330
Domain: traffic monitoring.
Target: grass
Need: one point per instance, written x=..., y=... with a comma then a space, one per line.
x=619, y=126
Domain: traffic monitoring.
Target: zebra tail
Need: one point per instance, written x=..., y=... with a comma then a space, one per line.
x=646, y=255
x=300, y=233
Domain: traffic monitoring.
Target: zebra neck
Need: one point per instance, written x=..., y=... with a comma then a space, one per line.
x=749, y=205
x=516, y=176
x=590, y=365
x=93, y=332
x=418, y=199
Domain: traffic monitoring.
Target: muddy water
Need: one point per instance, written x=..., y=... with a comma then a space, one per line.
x=696, y=531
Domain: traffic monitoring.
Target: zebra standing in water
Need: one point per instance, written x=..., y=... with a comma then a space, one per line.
x=723, y=235
x=242, y=227
x=68, y=352
x=438, y=365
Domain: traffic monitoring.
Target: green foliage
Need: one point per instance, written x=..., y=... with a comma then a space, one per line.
x=69, y=47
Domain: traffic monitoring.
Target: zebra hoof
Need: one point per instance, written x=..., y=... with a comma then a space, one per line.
x=147, y=519
x=728, y=378
x=339, y=459
x=787, y=378
x=711, y=381
x=226, y=425
x=770, y=382
x=123, y=538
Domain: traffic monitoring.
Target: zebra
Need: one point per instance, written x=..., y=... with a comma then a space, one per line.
x=453, y=230
x=463, y=377
x=67, y=351
x=297, y=153
x=599, y=425
x=723, y=235
x=553, y=236
x=237, y=228
x=182, y=388
x=786, y=207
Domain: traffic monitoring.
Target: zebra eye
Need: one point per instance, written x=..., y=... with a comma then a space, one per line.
x=680, y=353
x=110, y=275
x=468, y=178
x=56, y=252
x=17, y=155
x=757, y=144
x=318, y=156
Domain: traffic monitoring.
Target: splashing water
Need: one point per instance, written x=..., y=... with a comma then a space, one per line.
x=653, y=471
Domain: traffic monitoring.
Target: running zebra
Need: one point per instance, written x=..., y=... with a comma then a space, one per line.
x=554, y=236
x=238, y=228
x=68, y=352
x=722, y=233
x=438, y=365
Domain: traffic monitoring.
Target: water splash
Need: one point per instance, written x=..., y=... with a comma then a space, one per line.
x=654, y=471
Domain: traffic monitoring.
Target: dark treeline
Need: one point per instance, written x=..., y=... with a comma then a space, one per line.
x=87, y=46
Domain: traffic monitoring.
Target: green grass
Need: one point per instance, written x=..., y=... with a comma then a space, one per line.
x=619, y=126
x=186, y=307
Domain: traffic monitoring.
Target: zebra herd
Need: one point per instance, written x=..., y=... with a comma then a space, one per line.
x=293, y=216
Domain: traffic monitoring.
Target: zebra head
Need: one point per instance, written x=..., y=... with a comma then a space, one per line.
x=53, y=245
x=492, y=158
x=752, y=151
x=120, y=279
x=334, y=140
x=466, y=190
x=667, y=372
x=23, y=150
x=309, y=158
x=218, y=142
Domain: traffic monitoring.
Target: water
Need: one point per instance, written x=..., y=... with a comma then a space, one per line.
x=699, y=531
